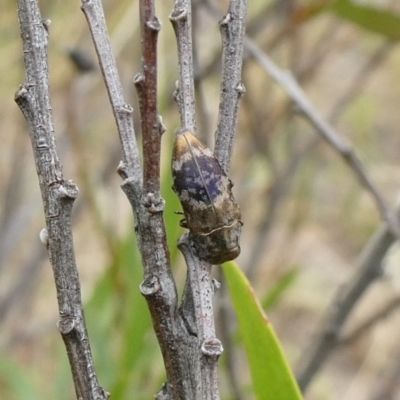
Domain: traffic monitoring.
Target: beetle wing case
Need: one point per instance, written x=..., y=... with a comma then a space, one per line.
x=205, y=192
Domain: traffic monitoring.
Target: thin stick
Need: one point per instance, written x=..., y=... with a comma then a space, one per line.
x=232, y=28
x=94, y=14
x=296, y=93
x=146, y=86
x=181, y=19
x=58, y=196
x=196, y=307
x=369, y=269
x=202, y=290
x=281, y=184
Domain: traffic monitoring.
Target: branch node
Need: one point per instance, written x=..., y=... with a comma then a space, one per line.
x=150, y=286
x=42, y=143
x=122, y=170
x=46, y=25
x=241, y=89
x=67, y=191
x=102, y=394
x=225, y=20
x=138, y=79
x=86, y=4
x=178, y=14
x=21, y=94
x=154, y=203
x=162, y=128
x=126, y=108
x=163, y=394
x=66, y=324
x=154, y=24
x=216, y=285
x=177, y=93
x=212, y=348
x=44, y=237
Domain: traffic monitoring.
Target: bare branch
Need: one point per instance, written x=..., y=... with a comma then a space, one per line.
x=369, y=269
x=58, y=196
x=146, y=86
x=296, y=93
x=281, y=184
x=93, y=11
x=181, y=19
x=202, y=290
x=232, y=31
x=196, y=308
x=227, y=327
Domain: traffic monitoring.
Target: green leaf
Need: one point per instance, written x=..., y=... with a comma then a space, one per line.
x=373, y=19
x=271, y=375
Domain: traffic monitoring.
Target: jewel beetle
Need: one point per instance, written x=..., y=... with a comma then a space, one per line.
x=205, y=192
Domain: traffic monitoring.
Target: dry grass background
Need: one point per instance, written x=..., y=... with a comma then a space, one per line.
x=319, y=225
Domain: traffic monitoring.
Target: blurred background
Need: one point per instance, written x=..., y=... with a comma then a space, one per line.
x=306, y=217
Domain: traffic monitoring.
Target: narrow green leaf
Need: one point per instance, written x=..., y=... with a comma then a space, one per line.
x=376, y=20
x=271, y=374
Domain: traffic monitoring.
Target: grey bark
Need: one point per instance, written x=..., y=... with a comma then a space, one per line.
x=58, y=195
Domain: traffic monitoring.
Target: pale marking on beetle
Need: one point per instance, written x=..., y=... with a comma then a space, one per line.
x=185, y=196
x=188, y=155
